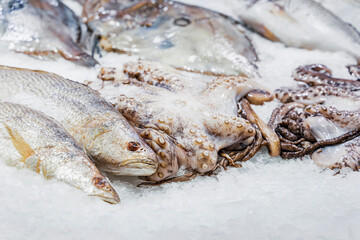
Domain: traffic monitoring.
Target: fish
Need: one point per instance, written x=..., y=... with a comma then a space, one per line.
x=95, y=124
x=302, y=24
x=44, y=28
x=30, y=139
x=186, y=37
x=347, y=10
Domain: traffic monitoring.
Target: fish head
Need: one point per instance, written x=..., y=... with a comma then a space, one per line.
x=180, y=35
x=102, y=188
x=70, y=164
x=117, y=148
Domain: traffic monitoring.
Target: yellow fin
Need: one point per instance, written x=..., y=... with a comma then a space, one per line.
x=19, y=143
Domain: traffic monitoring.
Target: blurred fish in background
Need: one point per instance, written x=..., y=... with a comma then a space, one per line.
x=303, y=24
x=180, y=35
x=43, y=28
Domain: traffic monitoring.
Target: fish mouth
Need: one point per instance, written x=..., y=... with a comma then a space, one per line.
x=133, y=167
x=111, y=200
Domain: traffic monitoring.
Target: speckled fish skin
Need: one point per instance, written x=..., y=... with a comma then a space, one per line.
x=43, y=28
x=33, y=140
x=94, y=123
x=180, y=35
x=303, y=24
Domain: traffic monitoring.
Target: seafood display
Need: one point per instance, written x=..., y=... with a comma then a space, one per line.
x=185, y=117
x=94, y=123
x=184, y=108
x=173, y=33
x=32, y=140
x=43, y=28
x=304, y=24
x=323, y=113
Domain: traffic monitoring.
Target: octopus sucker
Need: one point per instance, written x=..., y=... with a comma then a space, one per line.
x=187, y=118
x=320, y=75
x=322, y=115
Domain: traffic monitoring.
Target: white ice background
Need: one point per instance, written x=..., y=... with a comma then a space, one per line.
x=269, y=198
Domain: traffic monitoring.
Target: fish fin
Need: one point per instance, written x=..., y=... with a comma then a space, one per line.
x=81, y=58
x=20, y=144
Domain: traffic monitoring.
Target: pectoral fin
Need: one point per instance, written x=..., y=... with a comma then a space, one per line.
x=20, y=144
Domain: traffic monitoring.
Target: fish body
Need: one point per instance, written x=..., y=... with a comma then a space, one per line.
x=43, y=28
x=303, y=24
x=94, y=123
x=347, y=10
x=180, y=35
x=33, y=140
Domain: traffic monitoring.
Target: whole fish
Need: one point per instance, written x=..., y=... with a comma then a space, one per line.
x=299, y=23
x=184, y=36
x=30, y=139
x=347, y=10
x=43, y=28
x=94, y=123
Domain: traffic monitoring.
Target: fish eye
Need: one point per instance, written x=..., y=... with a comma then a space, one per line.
x=99, y=182
x=133, y=146
x=182, y=22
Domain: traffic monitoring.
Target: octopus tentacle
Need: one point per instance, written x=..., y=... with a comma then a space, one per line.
x=312, y=95
x=344, y=118
x=279, y=113
x=256, y=146
x=186, y=177
x=155, y=74
x=271, y=137
x=320, y=75
x=234, y=129
x=240, y=87
x=354, y=71
x=320, y=144
x=168, y=153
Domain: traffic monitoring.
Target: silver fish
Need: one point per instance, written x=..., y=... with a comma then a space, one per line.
x=33, y=140
x=43, y=28
x=94, y=123
x=303, y=24
x=347, y=10
x=184, y=36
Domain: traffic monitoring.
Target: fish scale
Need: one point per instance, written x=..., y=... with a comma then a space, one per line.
x=94, y=123
x=33, y=140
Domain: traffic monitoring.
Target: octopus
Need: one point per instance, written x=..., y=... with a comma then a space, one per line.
x=194, y=123
x=321, y=118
